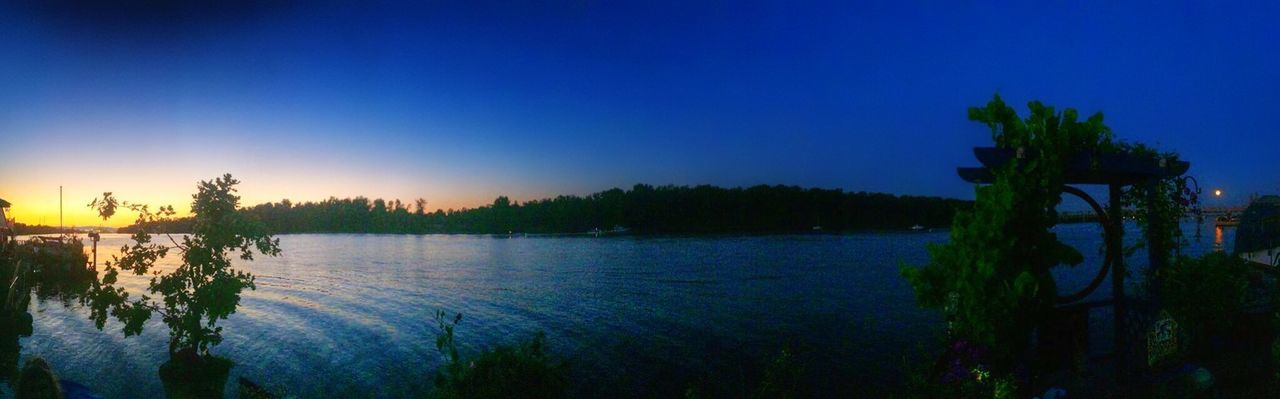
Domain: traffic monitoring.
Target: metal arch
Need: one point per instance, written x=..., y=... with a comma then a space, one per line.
x=1187, y=181
x=1106, y=233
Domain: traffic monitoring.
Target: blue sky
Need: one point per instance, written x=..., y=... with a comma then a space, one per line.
x=460, y=103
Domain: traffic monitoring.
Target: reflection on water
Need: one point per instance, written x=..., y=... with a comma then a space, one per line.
x=1217, y=238
x=15, y=321
x=348, y=315
x=13, y=325
x=53, y=270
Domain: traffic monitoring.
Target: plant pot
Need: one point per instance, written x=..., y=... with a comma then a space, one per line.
x=195, y=377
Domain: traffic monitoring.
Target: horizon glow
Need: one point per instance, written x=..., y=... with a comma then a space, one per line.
x=459, y=104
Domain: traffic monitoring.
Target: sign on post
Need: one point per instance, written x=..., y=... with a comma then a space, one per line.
x=1162, y=339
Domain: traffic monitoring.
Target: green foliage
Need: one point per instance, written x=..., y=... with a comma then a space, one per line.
x=200, y=291
x=1159, y=206
x=992, y=277
x=1049, y=134
x=1203, y=294
x=1004, y=388
x=106, y=205
x=445, y=344
x=524, y=371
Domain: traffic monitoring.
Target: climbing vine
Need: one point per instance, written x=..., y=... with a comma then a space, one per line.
x=1158, y=207
x=992, y=279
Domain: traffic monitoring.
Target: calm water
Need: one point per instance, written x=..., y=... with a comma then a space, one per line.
x=350, y=315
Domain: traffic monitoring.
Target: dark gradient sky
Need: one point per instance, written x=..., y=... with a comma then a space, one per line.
x=460, y=104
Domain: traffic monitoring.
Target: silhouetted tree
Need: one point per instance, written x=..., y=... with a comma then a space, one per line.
x=202, y=290
x=421, y=206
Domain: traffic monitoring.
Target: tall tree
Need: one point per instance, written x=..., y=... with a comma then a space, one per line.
x=421, y=206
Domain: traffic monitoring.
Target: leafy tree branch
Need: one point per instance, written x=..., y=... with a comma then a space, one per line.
x=204, y=289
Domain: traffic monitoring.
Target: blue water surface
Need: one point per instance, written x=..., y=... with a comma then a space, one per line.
x=351, y=315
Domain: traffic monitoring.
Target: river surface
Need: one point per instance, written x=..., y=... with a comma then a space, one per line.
x=351, y=315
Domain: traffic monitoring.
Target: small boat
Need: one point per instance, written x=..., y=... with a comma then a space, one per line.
x=917, y=228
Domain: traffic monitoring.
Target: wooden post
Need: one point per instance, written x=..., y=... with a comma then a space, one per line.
x=1157, y=253
x=1115, y=249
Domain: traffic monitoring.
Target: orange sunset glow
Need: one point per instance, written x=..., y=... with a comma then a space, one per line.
x=33, y=192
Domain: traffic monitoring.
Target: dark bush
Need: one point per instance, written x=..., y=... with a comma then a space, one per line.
x=522, y=371
x=1203, y=294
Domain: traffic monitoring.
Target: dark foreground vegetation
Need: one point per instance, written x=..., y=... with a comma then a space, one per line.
x=33, y=229
x=1191, y=327
x=643, y=209
x=528, y=370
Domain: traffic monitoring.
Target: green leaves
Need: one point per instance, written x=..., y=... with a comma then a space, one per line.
x=444, y=339
x=106, y=206
x=1006, y=127
x=993, y=276
x=200, y=291
x=134, y=316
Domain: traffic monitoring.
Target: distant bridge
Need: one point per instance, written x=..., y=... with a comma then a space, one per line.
x=1219, y=210
x=1089, y=216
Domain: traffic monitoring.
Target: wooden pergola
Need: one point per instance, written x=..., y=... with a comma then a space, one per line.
x=1116, y=171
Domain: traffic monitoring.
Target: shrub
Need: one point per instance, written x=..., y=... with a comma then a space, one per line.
x=1203, y=293
x=524, y=370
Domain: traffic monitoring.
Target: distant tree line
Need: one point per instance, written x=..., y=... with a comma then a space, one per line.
x=27, y=229
x=643, y=209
